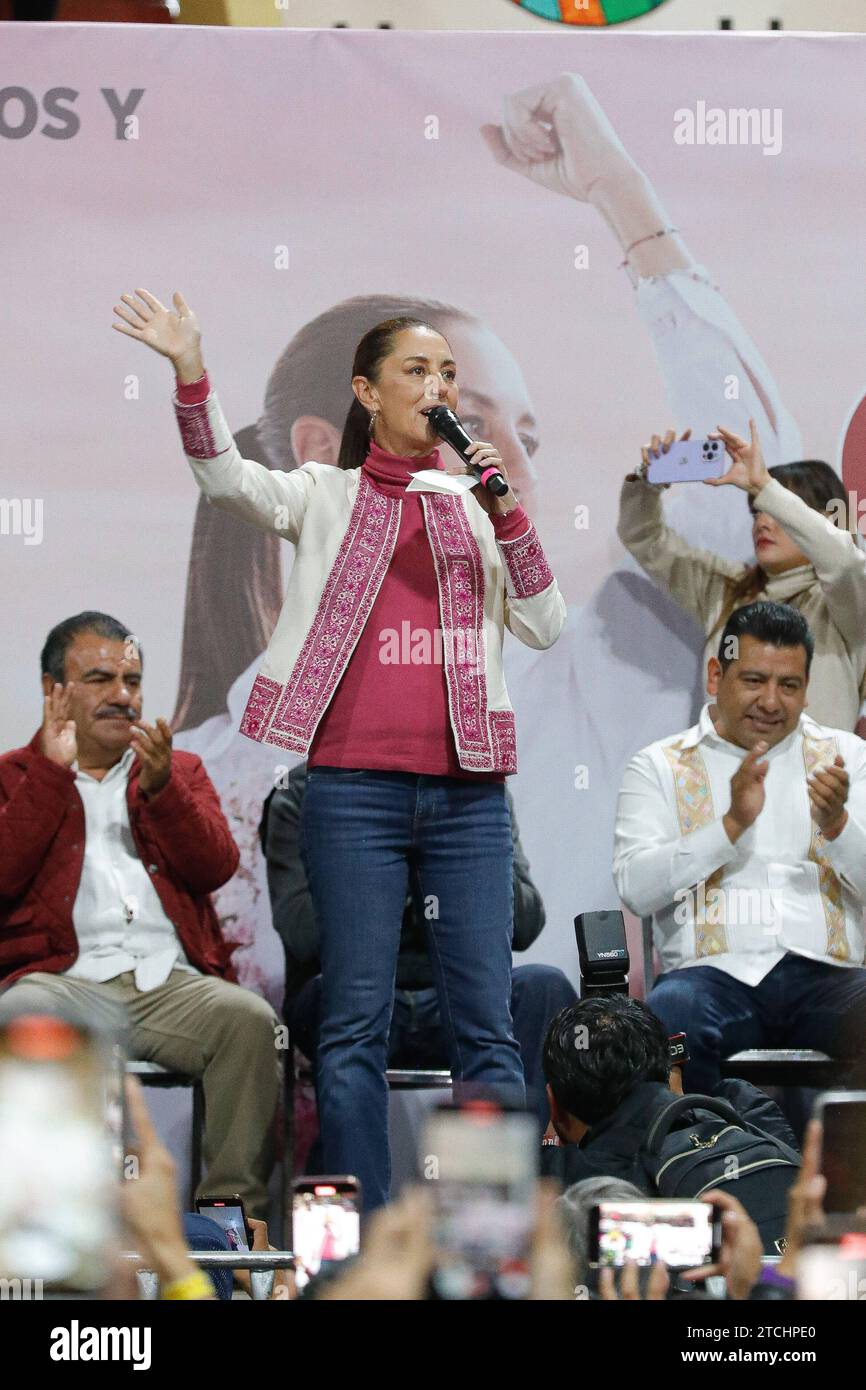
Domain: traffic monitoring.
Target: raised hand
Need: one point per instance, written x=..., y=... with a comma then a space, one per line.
x=556, y=134
x=152, y=744
x=551, y=1268
x=148, y=1197
x=805, y=1200
x=397, y=1257
x=656, y=446
x=748, y=469
x=747, y=792
x=741, y=1250
x=173, y=333
x=58, y=738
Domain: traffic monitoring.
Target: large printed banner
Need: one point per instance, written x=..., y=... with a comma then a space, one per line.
x=297, y=187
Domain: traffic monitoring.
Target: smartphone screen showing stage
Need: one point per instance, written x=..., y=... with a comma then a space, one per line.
x=679, y=1234
x=230, y=1217
x=325, y=1226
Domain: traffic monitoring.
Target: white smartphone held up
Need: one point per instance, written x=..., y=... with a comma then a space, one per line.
x=688, y=461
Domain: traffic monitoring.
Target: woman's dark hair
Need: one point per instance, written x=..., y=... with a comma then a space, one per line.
x=817, y=484
x=598, y=1049
x=813, y=480
x=52, y=659
x=235, y=588
x=778, y=623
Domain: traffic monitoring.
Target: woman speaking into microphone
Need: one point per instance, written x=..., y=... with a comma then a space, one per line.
x=385, y=672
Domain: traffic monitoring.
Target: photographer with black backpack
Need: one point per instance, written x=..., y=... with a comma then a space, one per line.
x=607, y=1064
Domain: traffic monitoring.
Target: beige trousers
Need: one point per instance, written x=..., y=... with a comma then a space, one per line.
x=205, y=1027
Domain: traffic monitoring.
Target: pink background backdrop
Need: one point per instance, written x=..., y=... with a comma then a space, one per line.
x=251, y=139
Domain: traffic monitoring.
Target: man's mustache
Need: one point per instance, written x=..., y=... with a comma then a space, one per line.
x=117, y=712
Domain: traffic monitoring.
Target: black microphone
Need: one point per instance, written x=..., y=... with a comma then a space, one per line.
x=449, y=428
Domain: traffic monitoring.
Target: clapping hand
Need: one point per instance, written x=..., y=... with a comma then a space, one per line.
x=748, y=793
x=58, y=737
x=152, y=744
x=828, y=792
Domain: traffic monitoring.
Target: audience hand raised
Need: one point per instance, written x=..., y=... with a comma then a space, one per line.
x=805, y=1200
x=629, y=1284
x=742, y=1248
x=149, y=1199
x=397, y=1256
x=658, y=445
x=551, y=1268
x=748, y=469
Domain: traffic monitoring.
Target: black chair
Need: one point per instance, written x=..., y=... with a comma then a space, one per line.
x=785, y=1066
x=418, y=1079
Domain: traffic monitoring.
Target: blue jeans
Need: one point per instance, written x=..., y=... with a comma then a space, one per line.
x=360, y=830
x=799, y=1003
x=538, y=992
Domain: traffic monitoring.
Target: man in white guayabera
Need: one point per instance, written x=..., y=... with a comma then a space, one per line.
x=745, y=838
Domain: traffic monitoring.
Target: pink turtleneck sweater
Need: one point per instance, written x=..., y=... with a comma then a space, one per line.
x=386, y=714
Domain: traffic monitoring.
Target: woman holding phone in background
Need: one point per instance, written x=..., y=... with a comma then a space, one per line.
x=801, y=558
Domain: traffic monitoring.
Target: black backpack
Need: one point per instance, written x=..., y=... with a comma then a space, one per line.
x=718, y=1148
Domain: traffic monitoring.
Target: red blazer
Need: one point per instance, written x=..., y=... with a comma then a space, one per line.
x=181, y=835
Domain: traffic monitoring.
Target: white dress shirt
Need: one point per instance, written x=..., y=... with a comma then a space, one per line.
x=118, y=918
x=782, y=887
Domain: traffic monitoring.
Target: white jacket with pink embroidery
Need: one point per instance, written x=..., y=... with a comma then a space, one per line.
x=345, y=532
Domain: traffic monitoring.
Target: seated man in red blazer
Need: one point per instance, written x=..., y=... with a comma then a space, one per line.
x=110, y=844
